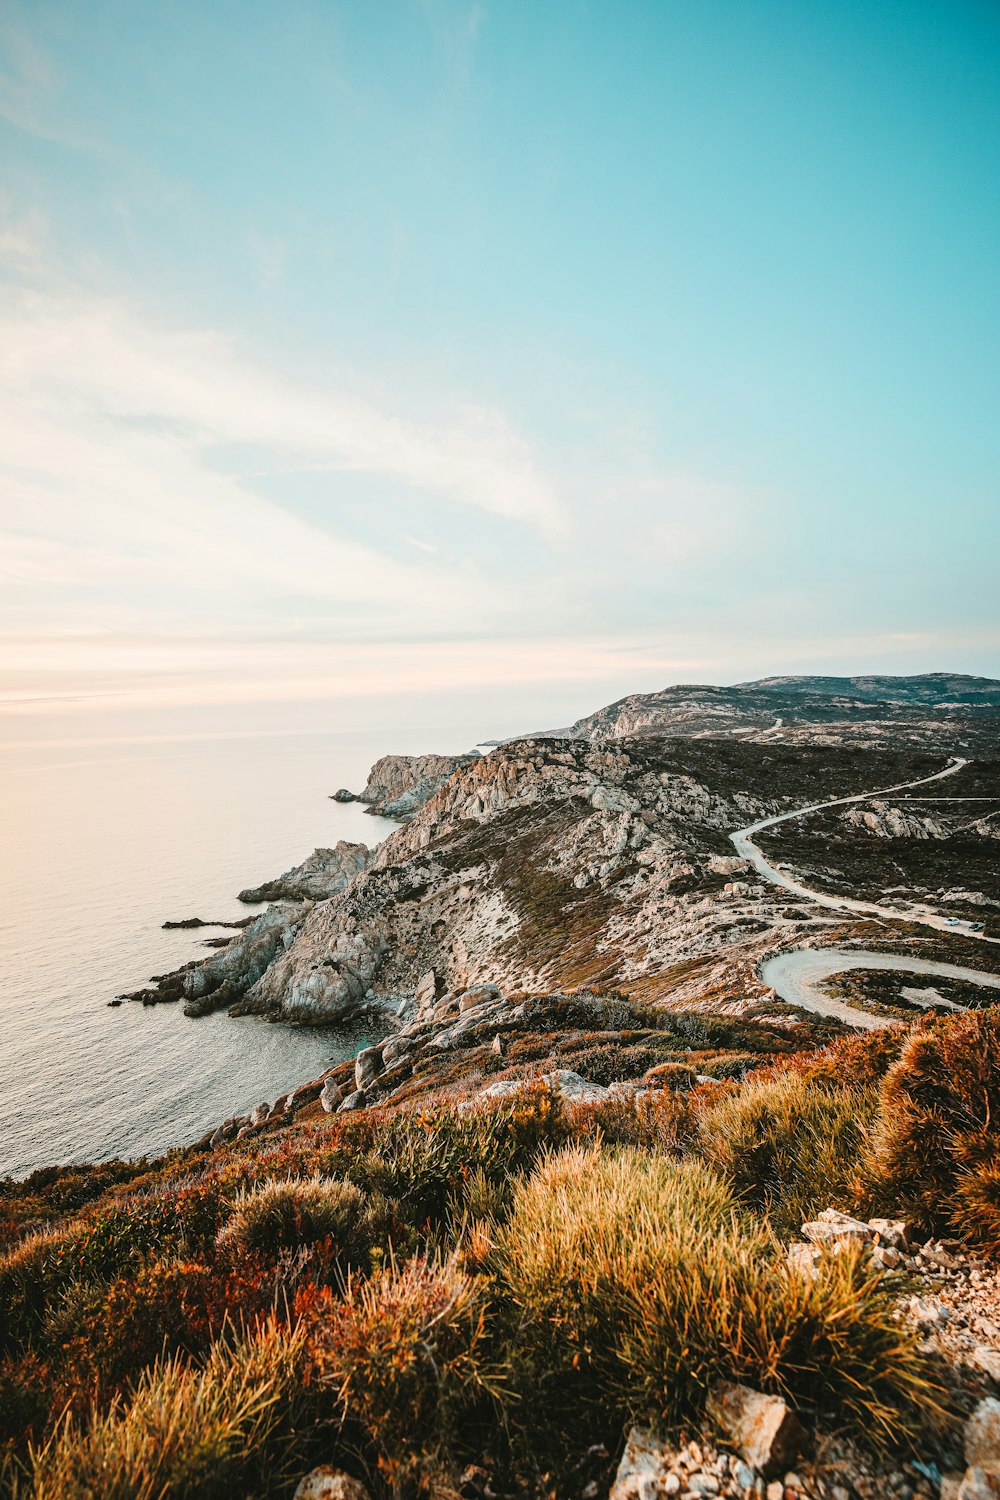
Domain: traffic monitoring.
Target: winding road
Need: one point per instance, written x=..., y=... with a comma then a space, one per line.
x=796, y=974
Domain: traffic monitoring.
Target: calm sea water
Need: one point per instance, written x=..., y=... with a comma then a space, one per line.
x=100, y=845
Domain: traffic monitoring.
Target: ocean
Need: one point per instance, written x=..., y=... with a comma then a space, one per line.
x=101, y=843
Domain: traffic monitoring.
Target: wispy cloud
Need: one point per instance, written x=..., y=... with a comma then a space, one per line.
x=111, y=431
x=96, y=357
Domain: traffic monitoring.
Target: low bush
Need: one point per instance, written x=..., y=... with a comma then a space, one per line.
x=788, y=1147
x=408, y=1359
x=35, y=1271
x=636, y=1284
x=168, y=1307
x=936, y=1149
x=213, y=1432
x=659, y=1120
x=289, y=1215
x=862, y=1059
x=421, y=1161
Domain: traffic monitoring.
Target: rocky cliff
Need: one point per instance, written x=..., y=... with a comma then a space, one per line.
x=555, y=864
x=560, y=864
x=399, y=785
x=316, y=879
x=927, y=711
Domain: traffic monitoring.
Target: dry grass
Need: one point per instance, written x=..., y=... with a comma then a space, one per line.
x=408, y=1358
x=31, y=1273
x=936, y=1150
x=277, y=1216
x=788, y=1147
x=538, y=1273
x=218, y=1431
x=637, y=1283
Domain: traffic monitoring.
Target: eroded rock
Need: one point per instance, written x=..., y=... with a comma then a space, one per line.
x=317, y=878
x=331, y=1096
x=326, y=1483
x=367, y=1065
x=982, y=1435
x=763, y=1429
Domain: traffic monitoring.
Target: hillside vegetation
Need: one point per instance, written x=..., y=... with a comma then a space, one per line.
x=505, y=1283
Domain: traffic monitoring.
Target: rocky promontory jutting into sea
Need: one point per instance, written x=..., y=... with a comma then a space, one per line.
x=673, y=1169
x=602, y=856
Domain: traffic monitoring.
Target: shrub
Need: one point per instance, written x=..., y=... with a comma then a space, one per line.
x=168, y=1307
x=637, y=1285
x=407, y=1356
x=976, y=1211
x=935, y=1149
x=25, y=1398
x=789, y=1148
x=38, y=1268
x=208, y=1433
x=422, y=1161
x=277, y=1216
x=659, y=1120
x=862, y=1058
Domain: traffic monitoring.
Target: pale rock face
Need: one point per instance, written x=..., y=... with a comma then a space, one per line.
x=562, y=1081
x=325, y=872
x=399, y=785
x=410, y=916
x=799, y=710
x=326, y=1483
x=887, y=822
x=331, y=1096
x=395, y=1048
x=479, y=995
x=547, y=864
x=426, y=989
x=222, y=979
x=833, y=1227
x=722, y=864
x=367, y=1065
x=977, y=1484
x=643, y=1473
x=328, y=975
x=762, y=1428
x=612, y=799
x=982, y=1435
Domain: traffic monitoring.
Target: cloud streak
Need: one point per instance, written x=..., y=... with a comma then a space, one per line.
x=115, y=438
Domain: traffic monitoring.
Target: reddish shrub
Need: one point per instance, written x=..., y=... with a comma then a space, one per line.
x=936, y=1149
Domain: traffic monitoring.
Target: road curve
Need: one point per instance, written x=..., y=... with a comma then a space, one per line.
x=744, y=845
x=797, y=976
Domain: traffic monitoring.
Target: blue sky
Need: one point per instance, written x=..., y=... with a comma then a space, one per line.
x=437, y=342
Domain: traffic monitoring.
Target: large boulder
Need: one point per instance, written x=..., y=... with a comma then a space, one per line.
x=367, y=1065
x=570, y=1085
x=426, y=991
x=331, y=1096
x=982, y=1436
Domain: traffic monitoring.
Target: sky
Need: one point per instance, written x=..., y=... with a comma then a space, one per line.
x=479, y=347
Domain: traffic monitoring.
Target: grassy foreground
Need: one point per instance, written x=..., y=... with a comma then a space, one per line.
x=406, y=1292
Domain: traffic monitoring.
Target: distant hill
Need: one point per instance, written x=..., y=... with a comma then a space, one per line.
x=933, y=710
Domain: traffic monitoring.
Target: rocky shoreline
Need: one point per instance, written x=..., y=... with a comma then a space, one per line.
x=598, y=1214
x=551, y=865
